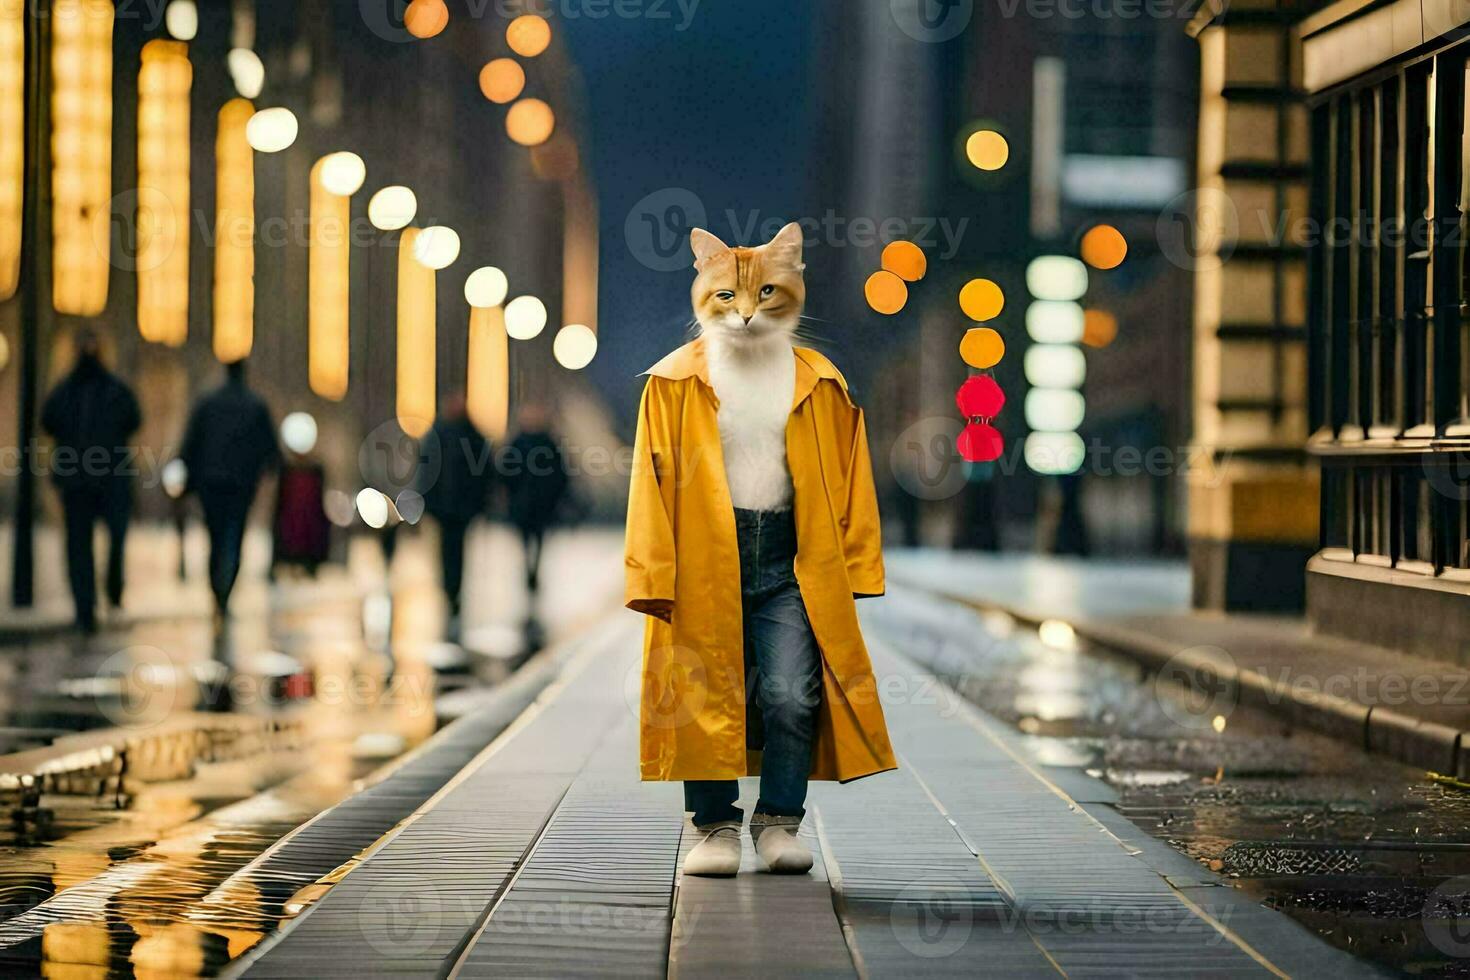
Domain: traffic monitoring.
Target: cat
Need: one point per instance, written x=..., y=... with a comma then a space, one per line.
x=748, y=303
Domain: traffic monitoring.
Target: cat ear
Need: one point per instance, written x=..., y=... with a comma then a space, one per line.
x=705, y=246
x=790, y=241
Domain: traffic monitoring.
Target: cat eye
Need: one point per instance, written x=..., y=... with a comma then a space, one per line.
x=767, y=291
x=725, y=295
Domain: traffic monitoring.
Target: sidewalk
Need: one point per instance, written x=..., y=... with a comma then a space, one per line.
x=546, y=857
x=1415, y=710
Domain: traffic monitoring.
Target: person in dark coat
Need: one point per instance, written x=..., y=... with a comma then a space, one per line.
x=536, y=477
x=455, y=476
x=229, y=444
x=92, y=415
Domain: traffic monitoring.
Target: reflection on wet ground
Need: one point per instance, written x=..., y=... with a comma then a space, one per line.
x=1350, y=845
x=199, y=750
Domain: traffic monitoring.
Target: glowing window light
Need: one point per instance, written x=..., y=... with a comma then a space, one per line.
x=487, y=373
x=392, y=208
x=1051, y=322
x=1104, y=247
x=982, y=299
x=575, y=346
x=1054, y=453
x=987, y=150
x=372, y=507
x=343, y=173
x=502, y=80
x=299, y=432
x=1055, y=366
x=528, y=35
x=1055, y=409
x=426, y=18
x=530, y=122
x=182, y=20
x=525, y=317
x=247, y=71
x=12, y=142
x=81, y=148
x=234, y=250
x=164, y=81
x=486, y=287
x=1056, y=277
x=1099, y=328
x=272, y=130
x=436, y=246
x=416, y=350
x=327, y=317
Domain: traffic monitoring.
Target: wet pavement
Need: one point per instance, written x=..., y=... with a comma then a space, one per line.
x=164, y=756
x=1349, y=844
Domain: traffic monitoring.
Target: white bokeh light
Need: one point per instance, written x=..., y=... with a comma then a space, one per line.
x=575, y=346
x=343, y=173
x=298, y=432
x=525, y=317
x=437, y=246
x=182, y=20
x=392, y=208
x=1054, y=453
x=1055, y=409
x=247, y=71
x=372, y=507
x=1056, y=277
x=1055, y=366
x=486, y=287
x=271, y=130
x=1050, y=322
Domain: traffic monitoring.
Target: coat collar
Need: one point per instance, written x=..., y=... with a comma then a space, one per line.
x=690, y=361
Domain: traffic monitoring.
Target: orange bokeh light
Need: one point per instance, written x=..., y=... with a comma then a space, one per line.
x=987, y=150
x=1099, y=327
x=905, y=260
x=886, y=292
x=528, y=35
x=530, y=122
x=982, y=300
x=982, y=348
x=502, y=80
x=426, y=18
x=1104, y=247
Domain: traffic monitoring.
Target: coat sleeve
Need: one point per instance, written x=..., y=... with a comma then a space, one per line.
x=648, y=554
x=862, y=533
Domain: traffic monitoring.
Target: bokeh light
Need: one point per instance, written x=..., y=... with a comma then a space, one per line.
x=437, y=246
x=272, y=130
x=528, y=35
x=530, y=122
x=393, y=208
x=1051, y=322
x=502, y=80
x=980, y=443
x=486, y=287
x=1055, y=453
x=575, y=346
x=247, y=71
x=905, y=260
x=372, y=506
x=1056, y=277
x=343, y=173
x=181, y=18
x=1104, y=247
x=885, y=292
x=525, y=317
x=1055, y=409
x=1055, y=366
x=982, y=300
x=987, y=150
x=175, y=478
x=982, y=348
x=980, y=397
x=1099, y=327
x=426, y=18
x=299, y=432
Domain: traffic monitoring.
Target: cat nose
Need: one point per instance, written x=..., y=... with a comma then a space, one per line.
x=747, y=319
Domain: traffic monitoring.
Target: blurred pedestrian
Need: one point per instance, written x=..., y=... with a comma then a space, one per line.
x=91, y=415
x=455, y=475
x=229, y=445
x=302, y=533
x=536, y=478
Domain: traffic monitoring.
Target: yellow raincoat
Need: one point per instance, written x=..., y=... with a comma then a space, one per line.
x=682, y=556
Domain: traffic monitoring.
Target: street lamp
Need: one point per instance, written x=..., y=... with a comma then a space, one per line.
x=234, y=250
x=164, y=81
x=334, y=178
x=81, y=141
x=416, y=338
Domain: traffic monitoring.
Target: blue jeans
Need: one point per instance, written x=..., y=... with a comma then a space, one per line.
x=783, y=676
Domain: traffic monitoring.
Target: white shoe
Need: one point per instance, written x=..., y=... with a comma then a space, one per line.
x=718, y=855
x=778, y=846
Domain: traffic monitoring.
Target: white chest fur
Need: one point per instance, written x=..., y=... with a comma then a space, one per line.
x=755, y=386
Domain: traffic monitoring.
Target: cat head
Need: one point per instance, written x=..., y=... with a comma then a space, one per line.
x=744, y=295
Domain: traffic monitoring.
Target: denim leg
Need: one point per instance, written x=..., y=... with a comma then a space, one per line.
x=789, y=693
x=712, y=800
